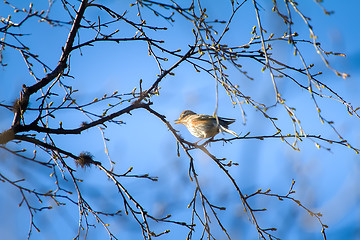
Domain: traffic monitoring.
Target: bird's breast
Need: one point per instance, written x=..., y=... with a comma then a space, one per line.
x=203, y=128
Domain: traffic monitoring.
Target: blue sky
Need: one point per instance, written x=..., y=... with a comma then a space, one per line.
x=325, y=181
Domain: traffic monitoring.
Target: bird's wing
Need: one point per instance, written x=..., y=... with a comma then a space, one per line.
x=205, y=117
x=222, y=120
x=227, y=121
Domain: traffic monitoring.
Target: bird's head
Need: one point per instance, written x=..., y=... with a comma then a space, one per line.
x=183, y=115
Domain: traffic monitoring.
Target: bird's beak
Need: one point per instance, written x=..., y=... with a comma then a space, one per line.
x=177, y=121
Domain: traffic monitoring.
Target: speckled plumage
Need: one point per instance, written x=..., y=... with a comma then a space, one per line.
x=204, y=126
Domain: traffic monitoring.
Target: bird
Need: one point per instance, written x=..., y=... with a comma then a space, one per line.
x=204, y=126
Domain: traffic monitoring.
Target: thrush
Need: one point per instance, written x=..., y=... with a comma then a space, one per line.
x=204, y=126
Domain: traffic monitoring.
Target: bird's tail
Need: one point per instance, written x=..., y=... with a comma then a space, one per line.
x=223, y=129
